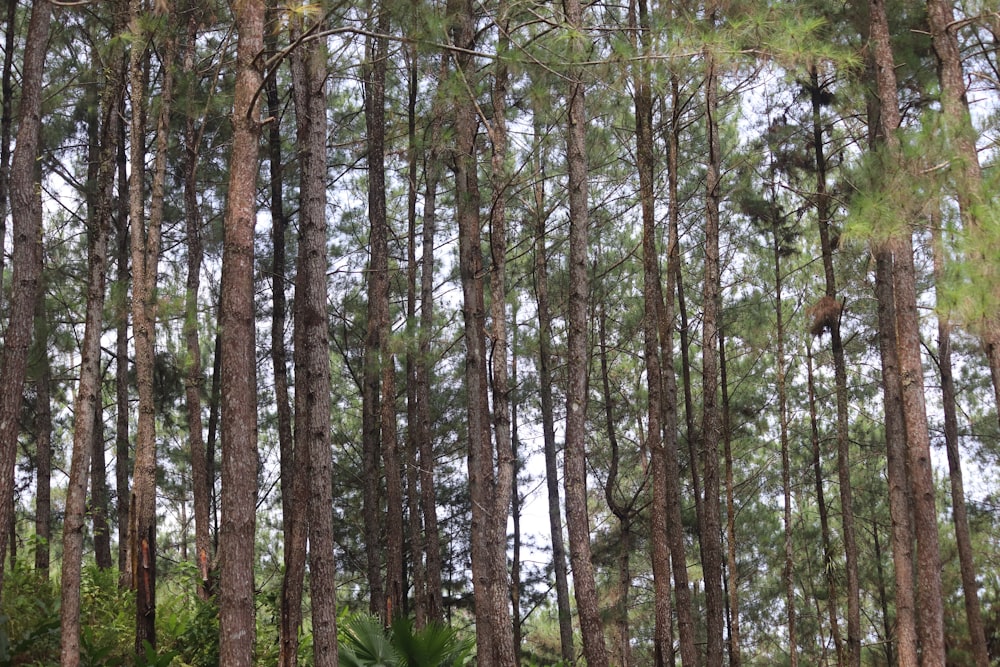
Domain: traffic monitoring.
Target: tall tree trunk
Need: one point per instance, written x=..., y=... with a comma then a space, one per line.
x=6, y=120
x=312, y=360
x=546, y=403
x=416, y=535
x=145, y=246
x=395, y=587
x=732, y=569
x=623, y=511
x=828, y=556
x=121, y=306
x=43, y=439
x=898, y=251
x=378, y=302
x=896, y=467
x=489, y=487
x=293, y=504
x=840, y=380
x=574, y=457
x=959, y=513
x=499, y=493
x=788, y=572
x=99, y=484
x=26, y=260
x=840, y=366
x=653, y=347
x=425, y=367
x=86, y=409
x=194, y=377
x=671, y=470
x=711, y=527
x=238, y=365
x=516, y=503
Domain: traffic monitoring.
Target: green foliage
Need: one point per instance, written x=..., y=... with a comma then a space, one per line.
x=365, y=642
x=187, y=626
x=29, y=618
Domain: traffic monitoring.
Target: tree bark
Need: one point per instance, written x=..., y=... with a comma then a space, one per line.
x=238, y=369
x=194, y=378
x=840, y=369
x=897, y=253
x=378, y=303
x=546, y=403
x=6, y=121
x=574, y=457
x=145, y=247
x=87, y=403
x=788, y=572
x=395, y=565
x=711, y=527
x=311, y=353
x=732, y=568
x=959, y=513
x=417, y=540
x=489, y=487
x=121, y=306
x=670, y=472
x=26, y=260
x=624, y=511
x=43, y=440
x=499, y=493
x=293, y=501
x=99, y=484
x=425, y=366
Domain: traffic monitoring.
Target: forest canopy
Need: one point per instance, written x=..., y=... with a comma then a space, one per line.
x=499, y=333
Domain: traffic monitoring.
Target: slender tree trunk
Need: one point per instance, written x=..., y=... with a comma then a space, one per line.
x=624, y=511
x=121, y=306
x=653, y=326
x=503, y=486
x=99, y=485
x=489, y=486
x=963, y=538
x=546, y=403
x=732, y=569
x=425, y=367
x=214, y=410
x=416, y=535
x=6, y=121
x=828, y=556
x=883, y=596
x=194, y=378
x=87, y=403
x=788, y=572
x=145, y=258
x=378, y=303
x=898, y=250
x=671, y=471
x=575, y=466
x=840, y=366
x=840, y=380
x=395, y=566
x=896, y=468
x=43, y=440
x=312, y=360
x=26, y=260
x=516, y=503
x=293, y=503
x=711, y=527
x=238, y=365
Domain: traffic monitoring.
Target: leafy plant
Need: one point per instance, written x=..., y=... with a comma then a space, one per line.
x=365, y=642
